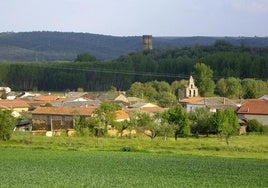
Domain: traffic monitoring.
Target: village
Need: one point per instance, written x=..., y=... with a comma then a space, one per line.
x=51, y=114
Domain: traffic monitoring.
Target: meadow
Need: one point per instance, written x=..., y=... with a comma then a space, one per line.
x=38, y=161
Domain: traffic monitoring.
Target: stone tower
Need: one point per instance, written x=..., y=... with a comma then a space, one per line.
x=191, y=89
x=147, y=42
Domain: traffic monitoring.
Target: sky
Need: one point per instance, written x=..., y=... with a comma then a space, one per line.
x=138, y=17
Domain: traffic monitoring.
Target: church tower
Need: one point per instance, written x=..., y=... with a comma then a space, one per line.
x=191, y=89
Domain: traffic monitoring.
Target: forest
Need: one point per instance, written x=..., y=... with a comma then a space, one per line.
x=169, y=65
x=64, y=46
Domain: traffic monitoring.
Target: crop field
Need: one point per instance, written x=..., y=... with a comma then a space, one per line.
x=38, y=161
x=59, y=168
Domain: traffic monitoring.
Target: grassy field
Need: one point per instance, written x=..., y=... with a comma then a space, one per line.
x=38, y=161
x=246, y=146
x=59, y=168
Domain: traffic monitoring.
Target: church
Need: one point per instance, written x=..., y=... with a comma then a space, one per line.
x=191, y=90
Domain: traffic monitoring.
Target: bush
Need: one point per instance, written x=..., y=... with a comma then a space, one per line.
x=254, y=126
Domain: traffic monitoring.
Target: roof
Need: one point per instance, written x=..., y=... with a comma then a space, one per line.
x=254, y=106
x=215, y=102
x=153, y=109
x=77, y=103
x=49, y=98
x=110, y=96
x=191, y=99
x=75, y=94
x=65, y=111
x=13, y=104
x=121, y=114
x=143, y=105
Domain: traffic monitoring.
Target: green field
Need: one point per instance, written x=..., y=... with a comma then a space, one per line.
x=36, y=161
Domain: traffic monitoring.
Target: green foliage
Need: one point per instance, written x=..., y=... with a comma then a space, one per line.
x=230, y=88
x=203, y=79
x=106, y=115
x=200, y=121
x=7, y=124
x=178, y=117
x=254, y=125
x=85, y=57
x=154, y=91
x=165, y=65
x=83, y=126
x=105, y=169
x=225, y=123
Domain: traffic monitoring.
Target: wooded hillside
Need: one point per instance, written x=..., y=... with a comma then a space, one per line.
x=63, y=46
x=167, y=65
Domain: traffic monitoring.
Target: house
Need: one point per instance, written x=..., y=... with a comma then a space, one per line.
x=14, y=105
x=58, y=118
x=95, y=103
x=116, y=97
x=149, y=108
x=254, y=109
x=133, y=100
x=211, y=103
x=79, y=96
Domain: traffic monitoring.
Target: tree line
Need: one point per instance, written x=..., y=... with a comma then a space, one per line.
x=225, y=61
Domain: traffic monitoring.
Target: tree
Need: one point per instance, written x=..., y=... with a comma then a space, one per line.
x=230, y=87
x=166, y=99
x=149, y=124
x=249, y=88
x=178, y=117
x=200, y=121
x=178, y=87
x=7, y=124
x=203, y=79
x=85, y=57
x=225, y=123
x=106, y=114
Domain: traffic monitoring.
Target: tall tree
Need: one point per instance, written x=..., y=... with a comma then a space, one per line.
x=178, y=117
x=230, y=87
x=225, y=122
x=7, y=124
x=203, y=79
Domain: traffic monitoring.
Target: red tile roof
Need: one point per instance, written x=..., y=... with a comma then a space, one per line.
x=191, y=99
x=49, y=98
x=121, y=114
x=65, y=111
x=13, y=104
x=254, y=106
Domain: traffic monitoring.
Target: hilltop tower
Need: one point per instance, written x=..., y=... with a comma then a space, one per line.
x=191, y=90
x=147, y=42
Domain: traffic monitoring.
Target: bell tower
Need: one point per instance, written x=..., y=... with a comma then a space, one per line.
x=191, y=89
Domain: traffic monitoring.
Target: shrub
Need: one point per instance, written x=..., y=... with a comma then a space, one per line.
x=254, y=126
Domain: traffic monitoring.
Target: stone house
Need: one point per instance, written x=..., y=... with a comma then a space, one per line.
x=254, y=109
x=58, y=118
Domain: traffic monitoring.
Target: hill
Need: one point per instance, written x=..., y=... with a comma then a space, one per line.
x=52, y=46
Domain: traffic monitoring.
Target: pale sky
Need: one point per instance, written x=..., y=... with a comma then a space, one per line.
x=138, y=17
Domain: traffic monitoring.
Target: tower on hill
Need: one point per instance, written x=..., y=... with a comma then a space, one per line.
x=147, y=42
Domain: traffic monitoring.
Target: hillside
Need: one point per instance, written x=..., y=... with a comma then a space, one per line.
x=52, y=46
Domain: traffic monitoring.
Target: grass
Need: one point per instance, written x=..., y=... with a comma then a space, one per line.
x=31, y=167
x=61, y=161
x=247, y=146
